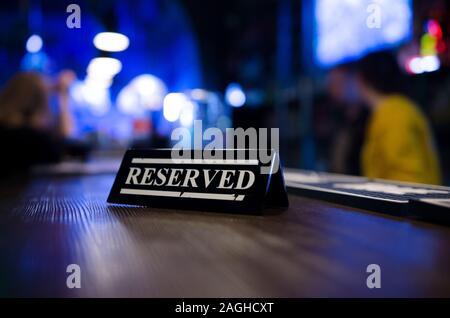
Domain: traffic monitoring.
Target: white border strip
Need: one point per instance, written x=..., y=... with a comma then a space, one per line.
x=177, y=194
x=249, y=162
x=155, y=193
x=212, y=196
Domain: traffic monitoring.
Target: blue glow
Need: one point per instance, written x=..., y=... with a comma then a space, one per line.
x=187, y=114
x=144, y=92
x=111, y=41
x=34, y=44
x=128, y=102
x=173, y=104
x=92, y=95
x=151, y=91
x=35, y=62
x=103, y=69
x=177, y=63
x=345, y=30
x=234, y=95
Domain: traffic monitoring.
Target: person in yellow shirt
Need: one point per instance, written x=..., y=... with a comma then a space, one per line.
x=398, y=143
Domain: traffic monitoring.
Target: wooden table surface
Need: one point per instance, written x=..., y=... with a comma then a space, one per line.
x=312, y=249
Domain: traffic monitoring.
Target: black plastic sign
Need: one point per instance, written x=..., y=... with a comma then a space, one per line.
x=238, y=182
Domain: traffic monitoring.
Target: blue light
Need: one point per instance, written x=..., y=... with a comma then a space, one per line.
x=103, y=69
x=128, y=102
x=34, y=44
x=173, y=104
x=92, y=95
x=111, y=41
x=187, y=114
x=151, y=91
x=144, y=92
x=234, y=95
x=35, y=62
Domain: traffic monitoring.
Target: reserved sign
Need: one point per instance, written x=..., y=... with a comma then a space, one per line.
x=232, y=184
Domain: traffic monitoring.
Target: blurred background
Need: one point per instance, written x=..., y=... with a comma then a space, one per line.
x=142, y=68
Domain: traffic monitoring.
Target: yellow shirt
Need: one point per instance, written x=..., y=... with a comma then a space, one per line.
x=399, y=144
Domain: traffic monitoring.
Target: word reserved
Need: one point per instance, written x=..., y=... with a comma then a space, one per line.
x=177, y=177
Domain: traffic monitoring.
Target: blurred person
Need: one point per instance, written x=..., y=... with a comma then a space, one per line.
x=27, y=134
x=398, y=144
x=348, y=133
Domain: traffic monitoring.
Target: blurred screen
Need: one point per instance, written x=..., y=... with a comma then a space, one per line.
x=348, y=29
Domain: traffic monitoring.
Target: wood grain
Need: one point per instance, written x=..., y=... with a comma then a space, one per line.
x=312, y=249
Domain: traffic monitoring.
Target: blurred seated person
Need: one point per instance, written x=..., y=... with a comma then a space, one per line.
x=28, y=133
x=398, y=143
